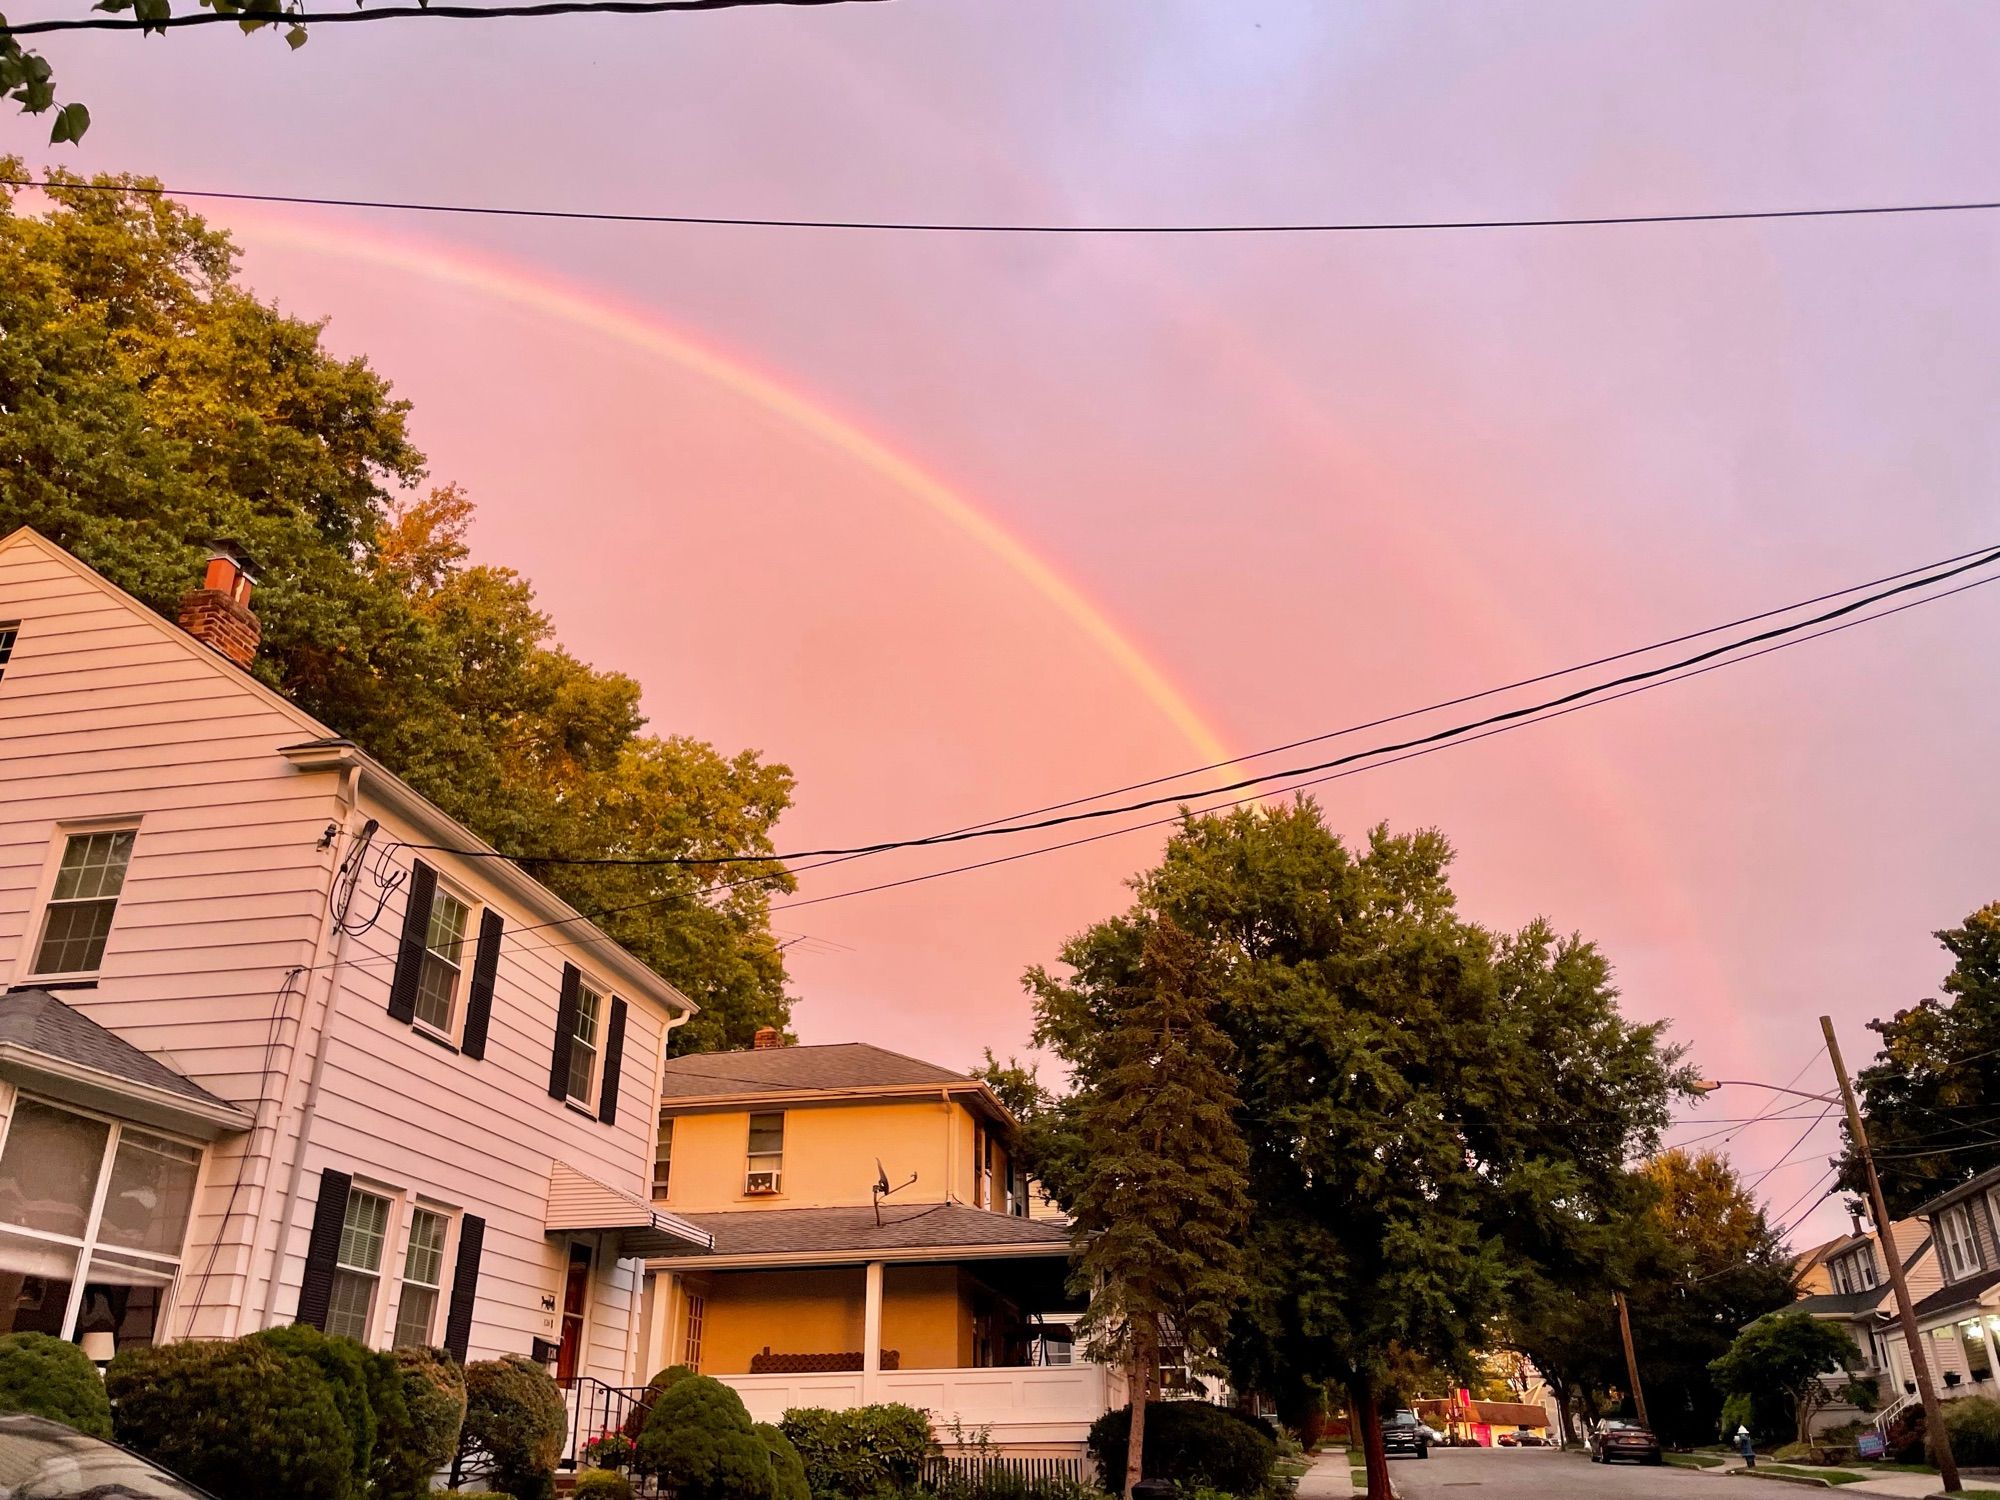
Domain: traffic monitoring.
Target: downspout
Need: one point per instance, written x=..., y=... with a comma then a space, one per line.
x=309, y=1110
x=634, y=1335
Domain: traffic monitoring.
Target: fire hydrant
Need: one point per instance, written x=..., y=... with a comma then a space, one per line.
x=1744, y=1447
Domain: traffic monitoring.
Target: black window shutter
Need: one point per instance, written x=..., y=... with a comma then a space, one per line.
x=614, y=1058
x=323, y=1248
x=479, y=1000
x=410, y=953
x=565, y=1033
x=464, y=1286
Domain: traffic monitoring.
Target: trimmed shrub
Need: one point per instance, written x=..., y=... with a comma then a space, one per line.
x=1188, y=1443
x=1974, y=1425
x=700, y=1442
x=515, y=1423
x=857, y=1453
x=419, y=1397
x=344, y=1364
x=50, y=1377
x=788, y=1470
x=601, y=1484
x=657, y=1387
x=240, y=1418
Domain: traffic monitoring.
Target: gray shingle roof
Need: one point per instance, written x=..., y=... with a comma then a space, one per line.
x=37, y=1021
x=940, y=1226
x=790, y=1070
x=1957, y=1294
x=1839, y=1304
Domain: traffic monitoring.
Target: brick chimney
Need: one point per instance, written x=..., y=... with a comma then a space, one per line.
x=218, y=613
x=767, y=1036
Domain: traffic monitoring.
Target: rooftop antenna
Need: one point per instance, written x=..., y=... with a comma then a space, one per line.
x=881, y=1189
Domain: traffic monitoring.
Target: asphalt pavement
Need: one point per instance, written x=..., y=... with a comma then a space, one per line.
x=1546, y=1474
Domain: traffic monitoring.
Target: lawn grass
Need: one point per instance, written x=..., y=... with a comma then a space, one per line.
x=1796, y=1471
x=1358, y=1478
x=1694, y=1460
x=1291, y=1468
x=1974, y=1494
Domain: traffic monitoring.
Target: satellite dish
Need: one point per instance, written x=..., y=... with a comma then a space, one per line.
x=882, y=1187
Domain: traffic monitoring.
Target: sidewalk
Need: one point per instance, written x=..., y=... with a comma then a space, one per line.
x=1908, y=1486
x=1328, y=1478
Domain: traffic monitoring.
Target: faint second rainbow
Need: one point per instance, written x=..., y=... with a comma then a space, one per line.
x=639, y=327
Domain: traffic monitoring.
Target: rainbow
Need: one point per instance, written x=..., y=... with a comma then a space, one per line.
x=637, y=327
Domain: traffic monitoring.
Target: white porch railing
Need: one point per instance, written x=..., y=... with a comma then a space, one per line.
x=1038, y=1409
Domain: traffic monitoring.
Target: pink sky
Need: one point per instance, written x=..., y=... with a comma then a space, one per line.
x=1309, y=481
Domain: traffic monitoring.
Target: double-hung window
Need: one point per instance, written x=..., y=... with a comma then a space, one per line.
x=764, y=1166
x=357, y=1271
x=443, y=963
x=423, y=1276
x=663, y=1158
x=9, y=631
x=88, y=883
x=583, y=1044
x=1961, y=1251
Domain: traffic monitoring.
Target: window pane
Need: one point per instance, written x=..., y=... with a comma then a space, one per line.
x=663, y=1159
x=447, y=929
x=767, y=1134
x=582, y=1067
x=124, y=1296
x=423, y=1262
x=151, y=1193
x=93, y=866
x=35, y=1282
x=351, y=1306
x=74, y=936
x=416, y=1315
x=363, y=1230
x=49, y=1168
x=437, y=986
x=588, y=1004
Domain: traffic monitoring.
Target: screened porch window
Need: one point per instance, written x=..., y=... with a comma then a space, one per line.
x=92, y=1218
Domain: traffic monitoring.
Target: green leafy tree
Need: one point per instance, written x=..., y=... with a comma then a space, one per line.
x=1162, y=1200
x=1789, y=1354
x=1936, y=1080
x=1428, y=1108
x=149, y=404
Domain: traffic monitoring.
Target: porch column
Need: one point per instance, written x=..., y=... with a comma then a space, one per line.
x=871, y=1332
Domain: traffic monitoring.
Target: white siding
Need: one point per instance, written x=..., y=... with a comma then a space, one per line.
x=107, y=711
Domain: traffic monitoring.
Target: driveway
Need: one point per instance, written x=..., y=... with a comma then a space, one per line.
x=1545, y=1474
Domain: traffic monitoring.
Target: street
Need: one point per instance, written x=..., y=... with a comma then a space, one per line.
x=1536, y=1474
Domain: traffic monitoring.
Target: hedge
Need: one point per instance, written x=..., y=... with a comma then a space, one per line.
x=420, y=1408
x=344, y=1364
x=700, y=1441
x=51, y=1377
x=788, y=1470
x=515, y=1423
x=1188, y=1443
x=858, y=1453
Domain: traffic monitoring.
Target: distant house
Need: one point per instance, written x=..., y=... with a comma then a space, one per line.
x=1464, y=1420
x=272, y=1049
x=820, y=1289
x=1849, y=1281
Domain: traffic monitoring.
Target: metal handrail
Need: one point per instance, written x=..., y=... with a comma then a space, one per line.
x=596, y=1407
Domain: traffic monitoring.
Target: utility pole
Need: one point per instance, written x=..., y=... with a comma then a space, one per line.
x=1920, y=1365
x=1631, y=1359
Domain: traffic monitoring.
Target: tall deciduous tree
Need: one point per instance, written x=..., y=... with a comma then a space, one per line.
x=1789, y=1354
x=1161, y=1199
x=149, y=404
x=1429, y=1109
x=1933, y=1089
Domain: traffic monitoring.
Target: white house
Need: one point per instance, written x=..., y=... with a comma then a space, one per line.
x=269, y=1051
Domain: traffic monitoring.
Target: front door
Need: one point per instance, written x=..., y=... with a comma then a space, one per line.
x=575, y=1307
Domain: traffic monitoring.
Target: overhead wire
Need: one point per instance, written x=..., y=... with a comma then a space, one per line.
x=878, y=226
x=1644, y=676
x=251, y=17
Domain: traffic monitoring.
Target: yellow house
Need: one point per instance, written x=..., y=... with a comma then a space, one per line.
x=872, y=1242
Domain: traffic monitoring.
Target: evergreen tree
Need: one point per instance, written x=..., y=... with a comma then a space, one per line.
x=1161, y=1199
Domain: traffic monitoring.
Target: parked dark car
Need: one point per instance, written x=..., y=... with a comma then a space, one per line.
x=1403, y=1433
x=1617, y=1441
x=44, y=1460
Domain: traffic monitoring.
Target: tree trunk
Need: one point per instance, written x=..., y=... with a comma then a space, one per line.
x=1563, y=1418
x=1361, y=1394
x=1139, y=1377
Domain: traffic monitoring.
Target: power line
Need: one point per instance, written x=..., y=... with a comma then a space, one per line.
x=1717, y=666
x=1457, y=731
x=250, y=16
x=881, y=226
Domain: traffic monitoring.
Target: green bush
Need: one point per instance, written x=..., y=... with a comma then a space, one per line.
x=50, y=1377
x=788, y=1470
x=657, y=1387
x=601, y=1484
x=857, y=1453
x=1974, y=1425
x=344, y=1364
x=238, y=1419
x=1188, y=1443
x=700, y=1442
x=419, y=1397
x=515, y=1423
